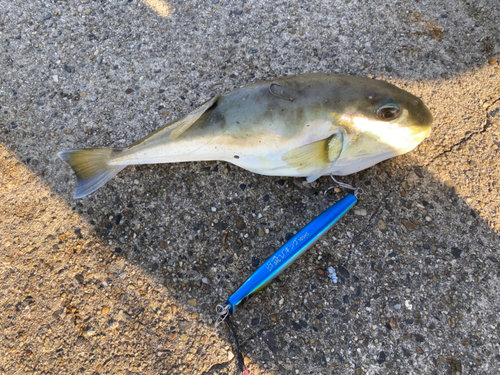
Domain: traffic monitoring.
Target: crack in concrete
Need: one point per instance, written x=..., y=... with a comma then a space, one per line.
x=375, y=212
x=486, y=126
x=369, y=225
x=252, y=337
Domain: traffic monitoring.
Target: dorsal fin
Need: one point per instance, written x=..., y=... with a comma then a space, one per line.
x=314, y=158
x=184, y=123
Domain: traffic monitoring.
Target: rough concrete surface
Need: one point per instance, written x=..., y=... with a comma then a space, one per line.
x=126, y=281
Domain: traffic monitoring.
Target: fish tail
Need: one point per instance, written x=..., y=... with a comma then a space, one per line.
x=91, y=167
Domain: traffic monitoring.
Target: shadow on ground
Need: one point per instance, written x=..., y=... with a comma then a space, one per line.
x=148, y=257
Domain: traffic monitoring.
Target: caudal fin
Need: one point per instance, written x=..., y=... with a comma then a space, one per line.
x=91, y=167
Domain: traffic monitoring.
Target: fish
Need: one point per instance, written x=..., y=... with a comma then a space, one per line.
x=307, y=125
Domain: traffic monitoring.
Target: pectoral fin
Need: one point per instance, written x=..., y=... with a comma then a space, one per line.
x=313, y=159
x=184, y=123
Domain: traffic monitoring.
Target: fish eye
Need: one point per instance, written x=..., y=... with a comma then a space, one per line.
x=388, y=112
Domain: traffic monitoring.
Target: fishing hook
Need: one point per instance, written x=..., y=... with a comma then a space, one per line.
x=276, y=95
x=356, y=191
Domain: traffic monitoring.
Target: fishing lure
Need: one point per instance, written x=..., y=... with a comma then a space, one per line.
x=284, y=258
x=289, y=252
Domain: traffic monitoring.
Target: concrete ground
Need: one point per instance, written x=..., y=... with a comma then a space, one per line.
x=126, y=280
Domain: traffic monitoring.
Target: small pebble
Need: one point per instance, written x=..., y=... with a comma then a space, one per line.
x=240, y=223
x=332, y=275
x=344, y=272
x=90, y=332
x=79, y=278
x=360, y=212
x=456, y=252
x=381, y=358
x=320, y=272
x=418, y=337
x=408, y=224
x=382, y=225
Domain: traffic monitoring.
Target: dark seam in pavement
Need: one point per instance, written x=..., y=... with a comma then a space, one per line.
x=486, y=126
x=372, y=216
x=376, y=211
x=254, y=336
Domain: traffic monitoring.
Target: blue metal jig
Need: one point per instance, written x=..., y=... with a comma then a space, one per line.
x=289, y=252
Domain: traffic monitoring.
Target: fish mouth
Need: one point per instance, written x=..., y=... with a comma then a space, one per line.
x=420, y=133
x=420, y=120
x=427, y=132
x=417, y=121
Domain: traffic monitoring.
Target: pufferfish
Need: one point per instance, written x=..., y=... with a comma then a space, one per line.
x=307, y=125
